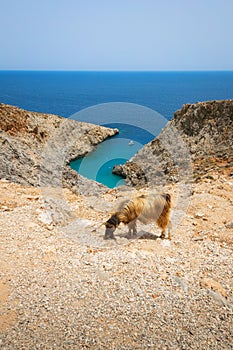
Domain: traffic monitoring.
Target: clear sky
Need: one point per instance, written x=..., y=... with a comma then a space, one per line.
x=116, y=34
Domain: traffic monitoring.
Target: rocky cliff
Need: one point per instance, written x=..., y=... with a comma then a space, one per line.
x=195, y=143
x=35, y=148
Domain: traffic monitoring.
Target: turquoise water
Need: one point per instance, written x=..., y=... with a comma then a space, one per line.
x=116, y=150
x=144, y=124
x=66, y=93
x=98, y=164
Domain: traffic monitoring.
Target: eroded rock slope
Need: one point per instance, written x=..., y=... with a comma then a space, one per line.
x=35, y=148
x=195, y=143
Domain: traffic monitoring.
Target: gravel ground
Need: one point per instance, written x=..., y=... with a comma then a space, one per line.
x=66, y=288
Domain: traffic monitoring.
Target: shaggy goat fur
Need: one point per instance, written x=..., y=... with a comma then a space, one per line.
x=145, y=208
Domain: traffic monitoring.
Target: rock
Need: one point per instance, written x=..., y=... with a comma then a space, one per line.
x=198, y=215
x=229, y=224
x=165, y=243
x=121, y=240
x=102, y=275
x=181, y=283
x=119, y=170
x=221, y=300
x=210, y=283
x=35, y=198
x=45, y=218
x=131, y=171
x=4, y=208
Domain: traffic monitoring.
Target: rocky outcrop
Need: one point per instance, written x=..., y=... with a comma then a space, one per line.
x=131, y=170
x=195, y=143
x=36, y=148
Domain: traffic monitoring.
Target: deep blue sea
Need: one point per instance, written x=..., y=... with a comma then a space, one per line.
x=68, y=93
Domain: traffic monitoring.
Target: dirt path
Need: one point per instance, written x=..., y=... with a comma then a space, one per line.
x=66, y=288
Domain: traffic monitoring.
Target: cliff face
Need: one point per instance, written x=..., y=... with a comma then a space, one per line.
x=35, y=148
x=196, y=142
x=207, y=129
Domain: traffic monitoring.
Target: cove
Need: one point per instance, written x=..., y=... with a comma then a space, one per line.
x=116, y=150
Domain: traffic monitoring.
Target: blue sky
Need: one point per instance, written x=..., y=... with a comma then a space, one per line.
x=116, y=34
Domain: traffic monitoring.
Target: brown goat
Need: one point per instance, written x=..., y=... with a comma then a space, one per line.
x=145, y=208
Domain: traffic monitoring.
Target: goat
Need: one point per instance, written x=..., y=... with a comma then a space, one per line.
x=145, y=208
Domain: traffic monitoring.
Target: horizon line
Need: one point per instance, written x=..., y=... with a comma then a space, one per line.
x=117, y=70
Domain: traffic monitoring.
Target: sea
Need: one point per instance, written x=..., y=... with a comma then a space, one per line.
x=138, y=103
